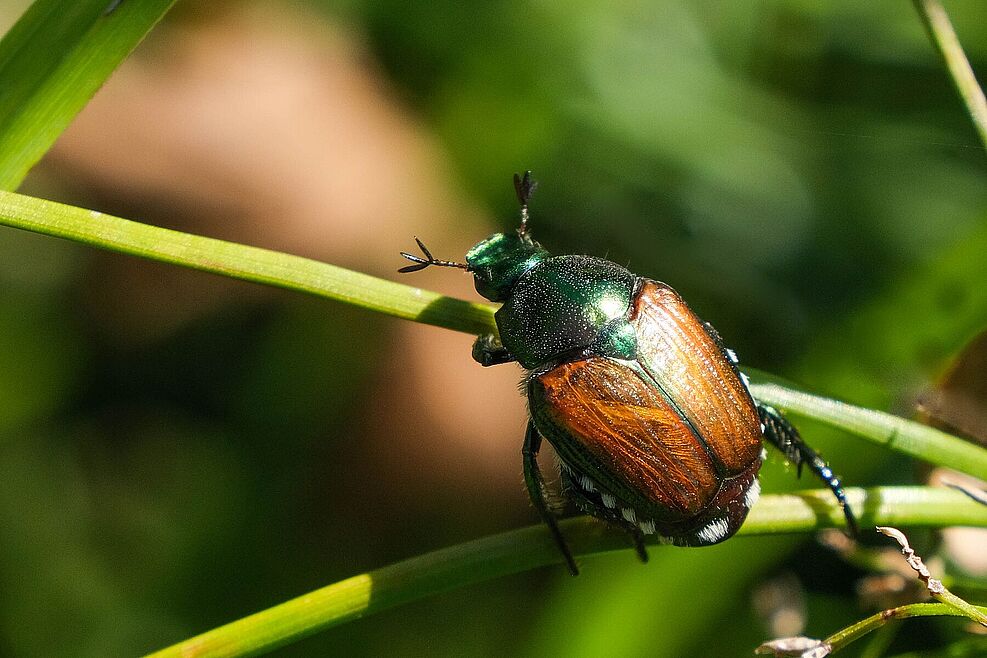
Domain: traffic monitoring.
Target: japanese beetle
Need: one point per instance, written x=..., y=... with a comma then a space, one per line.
x=654, y=425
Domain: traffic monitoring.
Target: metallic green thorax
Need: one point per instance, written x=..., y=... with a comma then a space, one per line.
x=555, y=306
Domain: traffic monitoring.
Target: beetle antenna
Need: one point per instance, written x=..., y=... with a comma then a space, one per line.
x=524, y=187
x=421, y=263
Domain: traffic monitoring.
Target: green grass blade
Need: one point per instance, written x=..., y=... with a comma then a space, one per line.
x=944, y=38
x=52, y=61
x=528, y=548
x=243, y=262
x=926, y=443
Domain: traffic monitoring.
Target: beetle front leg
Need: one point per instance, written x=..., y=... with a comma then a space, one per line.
x=487, y=351
x=787, y=439
x=536, y=491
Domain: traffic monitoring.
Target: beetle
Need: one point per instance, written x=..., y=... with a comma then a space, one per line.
x=653, y=423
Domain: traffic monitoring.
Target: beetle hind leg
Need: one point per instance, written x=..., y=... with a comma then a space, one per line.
x=637, y=536
x=535, y=482
x=787, y=439
x=588, y=497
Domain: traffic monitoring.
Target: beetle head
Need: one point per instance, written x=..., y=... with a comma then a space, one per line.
x=500, y=260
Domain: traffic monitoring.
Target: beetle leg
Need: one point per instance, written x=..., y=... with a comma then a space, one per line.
x=536, y=491
x=487, y=351
x=589, y=498
x=787, y=439
x=638, y=538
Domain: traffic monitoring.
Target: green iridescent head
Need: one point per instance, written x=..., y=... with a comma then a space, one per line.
x=500, y=260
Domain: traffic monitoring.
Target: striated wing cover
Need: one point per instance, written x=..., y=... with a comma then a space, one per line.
x=675, y=348
x=608, y=419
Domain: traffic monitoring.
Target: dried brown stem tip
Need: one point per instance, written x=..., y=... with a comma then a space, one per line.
x=934, y=586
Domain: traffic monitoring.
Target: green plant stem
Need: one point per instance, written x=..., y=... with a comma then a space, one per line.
x=915, y=439
x=527, y=548
x=856, y=631
x=309, y=276
x=974, y=612
x=243, y=262
x=944, y=38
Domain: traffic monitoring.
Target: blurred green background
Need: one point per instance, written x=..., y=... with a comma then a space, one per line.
x=177, y=450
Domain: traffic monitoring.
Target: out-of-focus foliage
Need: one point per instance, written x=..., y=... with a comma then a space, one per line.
x=178, y=451
x=52, y=62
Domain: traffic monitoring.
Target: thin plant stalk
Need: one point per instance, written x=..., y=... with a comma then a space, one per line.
x=807, y=647
x=520, y=550
x=943, y=36
x=856, y=631
x=244, y=262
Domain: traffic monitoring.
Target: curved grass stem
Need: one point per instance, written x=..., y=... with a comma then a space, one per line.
x=911, y=438
x=519, y=550
x=944, y=38
x=244, y=262
x=856, y=631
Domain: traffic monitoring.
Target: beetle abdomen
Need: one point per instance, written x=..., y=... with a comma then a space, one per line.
x=720, y=520
x=696, y=376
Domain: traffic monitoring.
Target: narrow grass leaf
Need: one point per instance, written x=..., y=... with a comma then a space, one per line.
x=52, y=61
